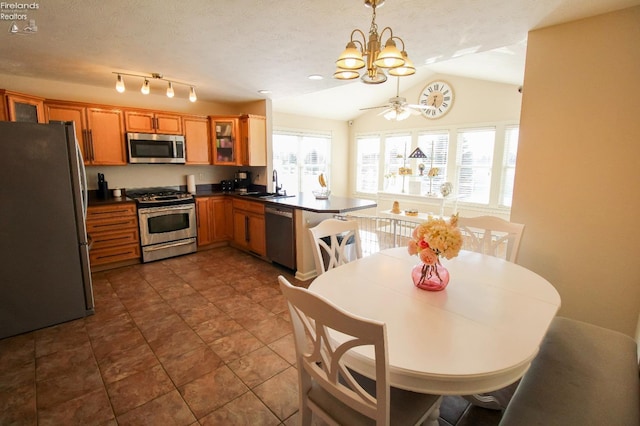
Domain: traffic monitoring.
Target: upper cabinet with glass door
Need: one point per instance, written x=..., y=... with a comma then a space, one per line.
x=224, y=134
x=21, y=107
x=239, y=140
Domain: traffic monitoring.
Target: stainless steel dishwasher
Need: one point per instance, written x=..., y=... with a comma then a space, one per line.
x=281, y=242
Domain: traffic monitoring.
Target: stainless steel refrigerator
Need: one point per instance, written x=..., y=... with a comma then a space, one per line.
x=45, y=277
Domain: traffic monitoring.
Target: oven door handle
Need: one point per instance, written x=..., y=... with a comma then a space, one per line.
x=173, y=209
x=169, y=245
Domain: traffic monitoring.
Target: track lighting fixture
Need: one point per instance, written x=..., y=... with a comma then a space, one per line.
x=145, y=89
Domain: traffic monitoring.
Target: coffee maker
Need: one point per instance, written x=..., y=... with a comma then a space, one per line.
x=242, y=181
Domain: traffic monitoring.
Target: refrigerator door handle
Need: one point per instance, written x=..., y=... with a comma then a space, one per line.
x=83, y=177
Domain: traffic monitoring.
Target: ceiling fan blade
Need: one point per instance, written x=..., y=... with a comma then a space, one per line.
x=375, y=107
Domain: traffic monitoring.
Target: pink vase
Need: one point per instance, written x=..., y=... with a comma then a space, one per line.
x=430, y=277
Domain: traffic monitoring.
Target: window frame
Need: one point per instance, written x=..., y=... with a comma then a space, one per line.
x=301, y=166
x=497, y=167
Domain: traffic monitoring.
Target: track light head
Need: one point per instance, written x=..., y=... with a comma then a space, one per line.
x=120, y=84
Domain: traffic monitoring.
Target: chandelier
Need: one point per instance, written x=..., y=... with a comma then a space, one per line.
x=145, y=89
x=396, y=62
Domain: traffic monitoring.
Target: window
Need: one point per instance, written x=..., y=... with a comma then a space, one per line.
x=435, y=145
x=474, y=162
x=396, y=166
x=299, y=158
x=509, y=165
x=367, y=163
x=479, y=162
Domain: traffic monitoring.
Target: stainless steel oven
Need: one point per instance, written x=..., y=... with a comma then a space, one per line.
x=167, y=231
x=167, y=225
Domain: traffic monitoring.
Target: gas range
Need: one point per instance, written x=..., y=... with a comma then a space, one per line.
x=156, y=197
x=167, y=221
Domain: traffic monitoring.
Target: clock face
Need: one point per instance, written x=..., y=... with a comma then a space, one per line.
x=438, y=95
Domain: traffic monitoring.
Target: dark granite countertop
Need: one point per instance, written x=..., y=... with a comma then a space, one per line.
x=302, y=201
x=94, y=200
x=334, y=204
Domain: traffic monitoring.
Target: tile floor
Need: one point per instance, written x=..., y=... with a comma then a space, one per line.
x=202, y=339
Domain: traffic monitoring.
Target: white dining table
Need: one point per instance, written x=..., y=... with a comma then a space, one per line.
x=477, y=335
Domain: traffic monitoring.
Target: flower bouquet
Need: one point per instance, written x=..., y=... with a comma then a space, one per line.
x=431, y=239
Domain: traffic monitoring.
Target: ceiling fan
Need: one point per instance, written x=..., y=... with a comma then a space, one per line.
x=398, y=109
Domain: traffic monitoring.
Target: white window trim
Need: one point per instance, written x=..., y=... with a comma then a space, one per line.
x=496, y=176
x=306, y=133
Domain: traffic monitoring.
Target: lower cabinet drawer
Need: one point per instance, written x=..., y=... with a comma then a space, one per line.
x=111, y=239
x=114, y=254
x=114, y=225
x=113, y=233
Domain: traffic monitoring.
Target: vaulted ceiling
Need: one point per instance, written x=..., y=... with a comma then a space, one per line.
x=231, y=49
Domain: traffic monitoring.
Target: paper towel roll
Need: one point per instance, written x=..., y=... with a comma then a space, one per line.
x=191, y=184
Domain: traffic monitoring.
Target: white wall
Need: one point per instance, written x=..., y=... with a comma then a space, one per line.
x=477, y=103
x=577, y=187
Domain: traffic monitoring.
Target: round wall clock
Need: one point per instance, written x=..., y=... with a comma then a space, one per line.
x=438, y=96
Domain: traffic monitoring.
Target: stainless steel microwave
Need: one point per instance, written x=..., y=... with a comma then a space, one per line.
x=156, y=148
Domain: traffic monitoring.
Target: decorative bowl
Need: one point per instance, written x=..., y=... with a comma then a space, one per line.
x=321, y=194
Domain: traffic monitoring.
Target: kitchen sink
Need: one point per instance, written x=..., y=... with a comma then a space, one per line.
x=274, y=195
x=266, y=195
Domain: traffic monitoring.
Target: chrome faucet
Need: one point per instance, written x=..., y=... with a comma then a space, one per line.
x=275, y=179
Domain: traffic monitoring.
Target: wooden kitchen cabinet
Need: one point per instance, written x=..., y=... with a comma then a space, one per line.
x=152, y=122
x=253, y=137
x=249, y=226
x=239, y=140
x=224, y=134
x=214, y=216
x=113, y=233
x=99, y=130
x=196, y=136
x=21, y=107
x=222, y=219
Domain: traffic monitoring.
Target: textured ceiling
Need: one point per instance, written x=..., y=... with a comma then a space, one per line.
x=230, y=49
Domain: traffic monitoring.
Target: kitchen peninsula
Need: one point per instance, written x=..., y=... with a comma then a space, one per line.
x=308, y=212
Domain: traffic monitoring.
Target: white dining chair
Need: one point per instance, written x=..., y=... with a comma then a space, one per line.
x=330, y=390
x=335, y=242
x=491, y=235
